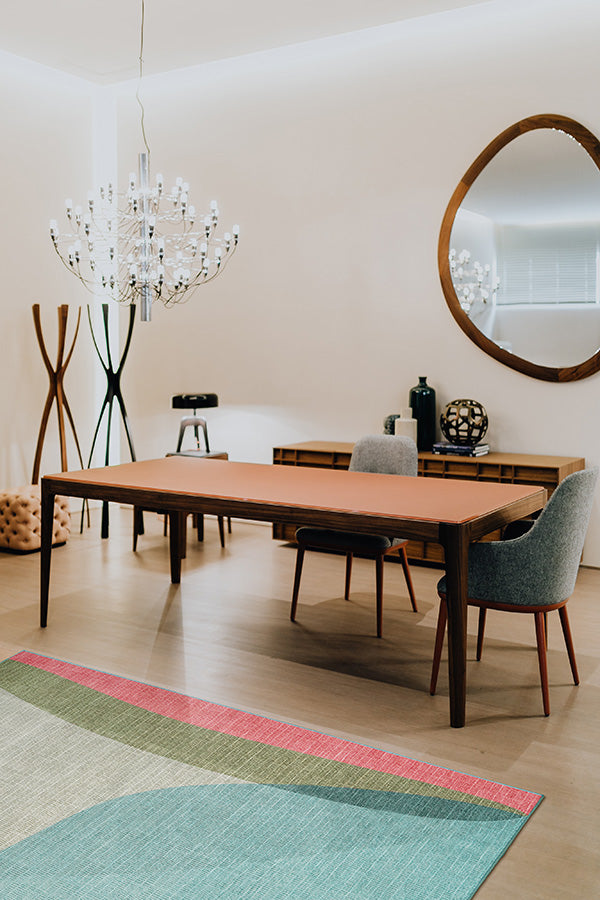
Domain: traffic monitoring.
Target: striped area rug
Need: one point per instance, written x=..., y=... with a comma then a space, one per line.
x=117, y=789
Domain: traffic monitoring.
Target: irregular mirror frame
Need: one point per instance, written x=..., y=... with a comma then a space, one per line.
x=463, y=307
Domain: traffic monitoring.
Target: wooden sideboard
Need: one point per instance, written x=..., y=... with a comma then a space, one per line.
x=514, y=468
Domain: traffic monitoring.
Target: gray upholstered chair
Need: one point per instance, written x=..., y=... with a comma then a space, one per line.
x=534, y=573
x=383, y=454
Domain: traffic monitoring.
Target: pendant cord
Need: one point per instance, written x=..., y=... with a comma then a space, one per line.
x=141, y=74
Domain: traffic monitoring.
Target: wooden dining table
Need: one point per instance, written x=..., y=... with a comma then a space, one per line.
x=451, y=512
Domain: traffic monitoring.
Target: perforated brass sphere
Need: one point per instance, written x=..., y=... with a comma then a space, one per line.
x=464, y=422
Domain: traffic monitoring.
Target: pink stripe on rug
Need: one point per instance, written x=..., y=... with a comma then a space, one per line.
x=278, y=734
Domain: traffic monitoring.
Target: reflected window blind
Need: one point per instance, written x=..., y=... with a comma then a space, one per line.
x=547, y=264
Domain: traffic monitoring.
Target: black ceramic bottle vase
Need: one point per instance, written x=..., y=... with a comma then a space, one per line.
x=421, y=400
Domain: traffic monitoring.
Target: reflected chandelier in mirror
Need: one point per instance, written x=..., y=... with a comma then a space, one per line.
x=528, y=210
x=471, y=285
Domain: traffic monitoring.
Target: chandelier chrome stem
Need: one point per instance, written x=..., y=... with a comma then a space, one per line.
x=146, y=291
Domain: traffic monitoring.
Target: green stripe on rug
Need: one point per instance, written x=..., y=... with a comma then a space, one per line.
x=234, y=756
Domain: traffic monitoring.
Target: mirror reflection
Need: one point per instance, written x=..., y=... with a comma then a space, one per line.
x=524, y=250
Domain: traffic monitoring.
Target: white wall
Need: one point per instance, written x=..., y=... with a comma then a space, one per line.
x=45, y=155
x=338, y=160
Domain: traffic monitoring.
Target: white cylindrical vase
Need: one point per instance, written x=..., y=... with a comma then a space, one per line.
x=405, y=425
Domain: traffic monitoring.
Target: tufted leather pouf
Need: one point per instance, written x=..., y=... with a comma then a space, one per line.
x=21, y=523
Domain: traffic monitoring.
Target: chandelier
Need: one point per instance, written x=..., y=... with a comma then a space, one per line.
x=474, y=284
x=143, y=244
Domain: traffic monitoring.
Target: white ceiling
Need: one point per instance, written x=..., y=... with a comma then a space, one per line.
x=99, y=40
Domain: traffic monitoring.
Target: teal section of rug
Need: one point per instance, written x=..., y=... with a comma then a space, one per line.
x=262, y=842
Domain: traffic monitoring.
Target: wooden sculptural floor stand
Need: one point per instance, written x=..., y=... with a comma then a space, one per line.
x=113, y=392
x=56, y=390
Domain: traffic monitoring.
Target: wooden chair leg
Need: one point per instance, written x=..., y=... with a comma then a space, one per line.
x=439, y=643
x=564, y=621
x=348, y=576
x=200, y=526
x=297, y=576
x=221, y=531
x=138, y=523
x=379, y=591
x=183, y=535
x=540, y=634
x=135, y=527
x=408, y=576
x=480, y=631
x=228, y=525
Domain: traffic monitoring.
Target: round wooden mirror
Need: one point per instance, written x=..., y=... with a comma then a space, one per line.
x=519, y=249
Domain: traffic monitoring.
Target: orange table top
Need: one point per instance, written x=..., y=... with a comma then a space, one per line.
x=420, y=499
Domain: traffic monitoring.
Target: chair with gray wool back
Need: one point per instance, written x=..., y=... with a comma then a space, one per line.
x=534, y=573
x=381, y=454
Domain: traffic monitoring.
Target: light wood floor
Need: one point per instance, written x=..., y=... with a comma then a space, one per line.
x=224, y=634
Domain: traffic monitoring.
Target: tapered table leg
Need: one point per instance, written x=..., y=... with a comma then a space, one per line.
x=47, y=513
x=455, y=540
x=176, y=528
x=104, y=521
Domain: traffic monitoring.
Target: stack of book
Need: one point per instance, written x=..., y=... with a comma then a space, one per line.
x=444, y=447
